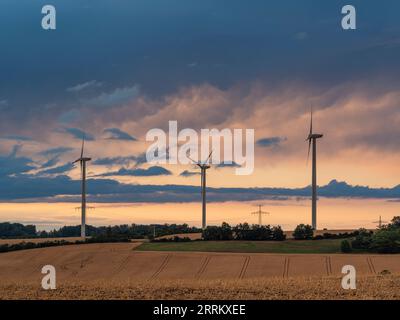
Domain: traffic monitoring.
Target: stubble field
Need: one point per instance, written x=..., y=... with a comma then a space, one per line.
x=294, y=288
x=119, y=271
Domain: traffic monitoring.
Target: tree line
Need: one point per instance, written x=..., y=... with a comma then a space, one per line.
x=134, y=231
x=243, y=231
x=385, y=240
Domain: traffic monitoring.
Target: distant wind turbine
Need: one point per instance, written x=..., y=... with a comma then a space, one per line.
x=82, y=160
x=312, y=141
x=203, y=167
x=260, y=213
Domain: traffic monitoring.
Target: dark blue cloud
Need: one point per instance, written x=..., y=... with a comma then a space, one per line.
x=142, y=159
x=55, y=151
x=58, y=170
x=17, y=138
x=105, y=190
x=139, y=172
x=228, y=165
x=271, y=141
x=12, y=164
x=84, y=86
x=111, y=161
x=118, y=97
x=50, y=163
x=163, y=45
x=79, y=134
x=123, y=161
x=188, y=173
x=117, y=134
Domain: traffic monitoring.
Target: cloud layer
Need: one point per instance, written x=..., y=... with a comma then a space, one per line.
x=206, y=67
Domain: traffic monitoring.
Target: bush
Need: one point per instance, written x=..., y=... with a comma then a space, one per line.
x=16, y=230
x=243, y=232
x=386, y=241
x=259, y=233
x=345, y=235
x=303, y=232
x=362, y=240
x=226, y=232
x=395, y=223
x=134, y=231
x=345, y=246
x=218, y=233
x=277, y=234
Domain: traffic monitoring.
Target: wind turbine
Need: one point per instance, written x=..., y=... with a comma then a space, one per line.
x=312, y=141
x=260, y=213
x=82, y=160
x=203, y=167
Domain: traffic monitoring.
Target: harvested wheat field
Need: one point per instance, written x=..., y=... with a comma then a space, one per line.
x=116, y=270
x=368, y=287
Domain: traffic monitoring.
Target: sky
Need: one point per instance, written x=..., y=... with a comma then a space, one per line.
x=115, y=70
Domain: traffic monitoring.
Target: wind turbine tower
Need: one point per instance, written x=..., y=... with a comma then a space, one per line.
x=312, y=142
x=260, y=213
x=82, y=160
x=204, y=166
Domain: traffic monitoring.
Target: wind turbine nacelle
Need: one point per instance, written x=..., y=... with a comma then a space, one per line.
x=315, y=136
x=82, y=160
x=204, y=166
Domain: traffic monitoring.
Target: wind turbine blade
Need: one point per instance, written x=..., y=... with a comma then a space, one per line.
x=83, y=144
x=209, y=156
x=311, y=131
x=81, y=170
x=309, y=148
x=196, y=162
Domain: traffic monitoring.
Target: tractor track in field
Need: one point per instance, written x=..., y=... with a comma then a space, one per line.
x=203, y=267
x=244, y=267
x=162, y=267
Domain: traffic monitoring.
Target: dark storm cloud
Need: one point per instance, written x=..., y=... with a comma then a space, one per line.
x=79, y=134
x=162, y=45
x=117, y=134
x=55, y=151
x=148, y=50
x=139, y=172
x=188, y=173
x=118, y=97
x=13, y=164
x=33, y=188
x=228, y=165
x=16, y=138
x=63, y=169
x=50, y=163
x=271, y=141
x=86, y=85
x=115, y=161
